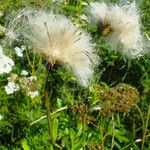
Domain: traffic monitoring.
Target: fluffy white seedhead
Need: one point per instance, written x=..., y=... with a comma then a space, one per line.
x=15, y=25
x=59, y=41
x=125, y=24
x=99, y=11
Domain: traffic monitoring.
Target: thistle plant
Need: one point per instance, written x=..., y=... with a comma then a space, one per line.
x=30, y=75
x=60, y=43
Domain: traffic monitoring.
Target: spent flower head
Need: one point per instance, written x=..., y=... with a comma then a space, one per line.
x=122, y=25
x=59, y=41
x=117, y=99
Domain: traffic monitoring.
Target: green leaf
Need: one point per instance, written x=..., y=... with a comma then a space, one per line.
x=25, y=145
x=81, y=142
x=55, y=129
x=117, y=145
x=72, y=137
x=122, y=138
x=72, y=8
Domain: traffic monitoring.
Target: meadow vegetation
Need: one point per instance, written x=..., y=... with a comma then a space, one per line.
x=112, y=113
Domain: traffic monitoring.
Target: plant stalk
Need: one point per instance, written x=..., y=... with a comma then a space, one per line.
x=47, y=105
x=146, y=127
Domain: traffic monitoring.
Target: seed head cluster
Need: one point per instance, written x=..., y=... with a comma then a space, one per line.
x=118, y=99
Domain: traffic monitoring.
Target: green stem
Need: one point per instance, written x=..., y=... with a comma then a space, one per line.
x=141, y=115
x=47, y=106
x=101, y=134
x=113, y=132
x=145, y=129
x=49, y=119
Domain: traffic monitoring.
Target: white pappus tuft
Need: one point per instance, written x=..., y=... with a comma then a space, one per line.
x=59, y=41
x=124, y=22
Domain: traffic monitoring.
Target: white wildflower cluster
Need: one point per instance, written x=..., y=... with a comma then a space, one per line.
x=59, y=41
x=27, y=84
x=15, y=83
x=6, y=63
x=11, y=87
x=124, y=22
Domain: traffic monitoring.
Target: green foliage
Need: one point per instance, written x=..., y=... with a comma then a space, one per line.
x=80, y=126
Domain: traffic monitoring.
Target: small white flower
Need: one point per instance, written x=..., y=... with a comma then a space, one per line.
x=23, y=48
x=1, y=117
x=24, y=72
x=84, y=17
x=138, y=140
x=19, y=51
x=6, y=63
x=11, y=87
x=33, y=94
x=32, y=78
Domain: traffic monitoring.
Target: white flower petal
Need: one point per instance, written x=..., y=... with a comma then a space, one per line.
x=11, y=87
x=33, y=94
x=32, y=78
x=18, y=52
x=24, y=72
x=6, y=64
x=23, y=48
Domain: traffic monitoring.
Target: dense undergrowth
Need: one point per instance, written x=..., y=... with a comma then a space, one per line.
x=79, y=123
